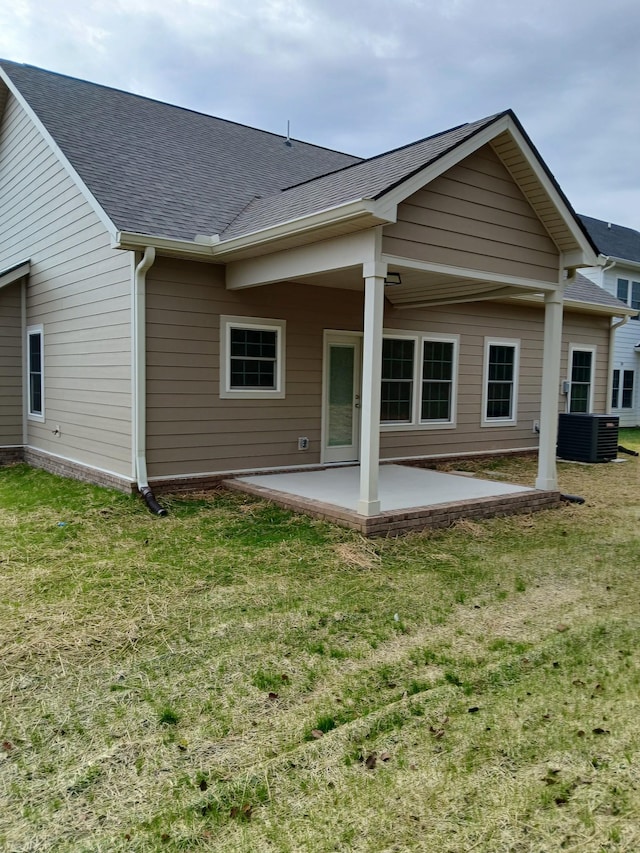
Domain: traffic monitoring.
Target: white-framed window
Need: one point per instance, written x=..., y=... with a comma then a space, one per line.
x=252, y=355
x=622, y=395
x=397, y=393
x=35, y=373
x=419, y=380
x=500, y=382
x=582, y=363
x=628, y=291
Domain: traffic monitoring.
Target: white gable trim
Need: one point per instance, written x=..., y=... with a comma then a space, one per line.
x=14, y=273
x=75, y=177
x=386, y=207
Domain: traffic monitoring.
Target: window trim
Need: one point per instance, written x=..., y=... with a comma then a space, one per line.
x=618, y=389
x=592, y=348
x=38, y=416
x=416, y=422
x=228, y=322
x=514, y=343
x=631, y=287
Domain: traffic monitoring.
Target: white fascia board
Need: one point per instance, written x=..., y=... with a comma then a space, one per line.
x=213, y=248
x=623, y=262
x=348, y=250
x=183, y=248
x=14, y=273
x=594, y=308
x=330, y=216
x=535, y=285
x=75, y=177
x=578, y=305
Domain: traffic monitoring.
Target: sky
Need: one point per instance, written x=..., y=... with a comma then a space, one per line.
x=365, y=76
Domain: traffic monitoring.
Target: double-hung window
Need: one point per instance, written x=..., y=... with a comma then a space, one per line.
x=622, y=396
x=438, y=378
x=35, y=373
x=581, y=373
x=500, y=386
x=398, y=380
x=252, y=358
x=629, y=292
x=419, y=374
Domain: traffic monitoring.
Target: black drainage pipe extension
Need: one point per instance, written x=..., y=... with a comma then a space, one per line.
x=151, y=502
x=626, y=450
x=572, y=499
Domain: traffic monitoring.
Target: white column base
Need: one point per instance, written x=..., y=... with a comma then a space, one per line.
x=368, y=508
x=547, y=484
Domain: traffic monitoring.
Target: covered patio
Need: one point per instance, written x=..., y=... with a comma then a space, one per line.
x=411, y=498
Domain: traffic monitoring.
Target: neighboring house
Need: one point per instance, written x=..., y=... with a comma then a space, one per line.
x=620, y=276
x=183, y=297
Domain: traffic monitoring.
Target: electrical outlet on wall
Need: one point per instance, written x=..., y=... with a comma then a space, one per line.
x=536, y=427
x=303, y=443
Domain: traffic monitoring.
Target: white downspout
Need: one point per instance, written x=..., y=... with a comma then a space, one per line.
x=25, y=362
x=610, y=365
x=609, y=264
x=140, y=379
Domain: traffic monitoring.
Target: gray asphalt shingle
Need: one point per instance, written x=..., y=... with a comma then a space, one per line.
x=584, y=290
x=160, y=169
x=613, y=240
x=167, y=171
x=367, y=179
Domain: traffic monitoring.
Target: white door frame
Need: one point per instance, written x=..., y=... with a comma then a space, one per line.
x=350, y=453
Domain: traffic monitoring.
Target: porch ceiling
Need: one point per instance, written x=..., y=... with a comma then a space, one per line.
x=422, y=288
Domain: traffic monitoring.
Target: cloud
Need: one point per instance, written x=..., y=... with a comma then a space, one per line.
x=367, y=75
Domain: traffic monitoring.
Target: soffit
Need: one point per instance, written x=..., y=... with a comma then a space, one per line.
x=421, y=288
x=523, y=173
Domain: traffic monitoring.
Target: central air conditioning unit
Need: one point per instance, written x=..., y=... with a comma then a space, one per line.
x=588, y=438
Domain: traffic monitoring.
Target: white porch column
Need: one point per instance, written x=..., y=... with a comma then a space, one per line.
x=552, y=348
x=374, y=273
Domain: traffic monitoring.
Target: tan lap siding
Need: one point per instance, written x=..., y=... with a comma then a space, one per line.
x=582, y=330
x=79, y=290
x=190, y=429
x=10, y=365
x=474, y=216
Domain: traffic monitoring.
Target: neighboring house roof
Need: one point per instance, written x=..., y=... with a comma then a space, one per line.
x=614, y=241
x=583, y=290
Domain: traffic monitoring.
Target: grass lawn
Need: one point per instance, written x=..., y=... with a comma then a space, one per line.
x=237, y=678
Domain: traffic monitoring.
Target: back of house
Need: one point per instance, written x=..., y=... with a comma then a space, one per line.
x=183, y=298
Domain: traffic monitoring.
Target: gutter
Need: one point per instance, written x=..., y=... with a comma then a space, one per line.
x=212, y=247
x=140, y=379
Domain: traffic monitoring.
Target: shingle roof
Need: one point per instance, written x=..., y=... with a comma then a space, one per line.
x=368, y=179
x=160, y=169
x=612, y=240
x=584, y=290
x=171, y=172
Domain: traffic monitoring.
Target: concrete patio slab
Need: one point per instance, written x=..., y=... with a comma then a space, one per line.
x=411, y=498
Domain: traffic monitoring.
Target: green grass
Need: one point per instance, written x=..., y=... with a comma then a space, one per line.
x=237, y=678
